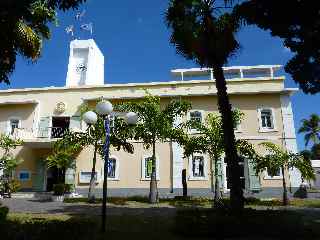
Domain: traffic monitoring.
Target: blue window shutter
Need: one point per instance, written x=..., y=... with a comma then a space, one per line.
x=253, y=180
x=43, y=131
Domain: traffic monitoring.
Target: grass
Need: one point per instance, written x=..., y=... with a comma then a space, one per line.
x=192, y=223
x=202, y=202
x=42, y=226
x=177, y=202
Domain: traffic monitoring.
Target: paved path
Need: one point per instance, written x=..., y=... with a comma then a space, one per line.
x=48, y=207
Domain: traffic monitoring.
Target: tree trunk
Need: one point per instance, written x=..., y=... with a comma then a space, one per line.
x=91, y=196
x=153, y=196
x=217, y=195
x=236, y=193
x=184, y=183
x=285, y=192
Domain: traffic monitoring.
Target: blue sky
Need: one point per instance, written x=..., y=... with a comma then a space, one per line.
x=135, y=41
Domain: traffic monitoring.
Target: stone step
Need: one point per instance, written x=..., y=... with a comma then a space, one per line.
x=23, y=195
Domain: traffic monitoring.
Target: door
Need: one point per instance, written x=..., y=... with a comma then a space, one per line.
x=39, y=180
x=317, y=181
x=226, y=172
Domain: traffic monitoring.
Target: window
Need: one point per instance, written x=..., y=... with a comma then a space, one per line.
x=113, y=168
x=266, y=119
x=237, y=123
x=14, y=123
x=195, y=116
x=147, y=168
x=269, y=175
x=198, y=167
x=24, y=176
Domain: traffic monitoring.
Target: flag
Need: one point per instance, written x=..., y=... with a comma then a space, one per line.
x=70, y=30
x=80, y=15
x=87, y=27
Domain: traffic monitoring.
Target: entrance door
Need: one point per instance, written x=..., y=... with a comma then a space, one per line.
x=52, y=178
x=39, y=181
x=226, y=172
x=59, y=126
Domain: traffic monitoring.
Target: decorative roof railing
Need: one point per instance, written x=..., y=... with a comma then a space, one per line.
x=230, y=72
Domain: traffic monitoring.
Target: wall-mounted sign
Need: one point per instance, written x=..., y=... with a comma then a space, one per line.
x=84, y=177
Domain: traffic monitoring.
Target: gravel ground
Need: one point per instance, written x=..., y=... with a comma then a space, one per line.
x=48, y=207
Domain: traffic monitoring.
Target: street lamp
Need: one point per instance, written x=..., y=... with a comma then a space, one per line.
x=104, y=109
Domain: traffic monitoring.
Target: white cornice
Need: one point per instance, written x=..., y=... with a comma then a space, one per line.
x=140, y=85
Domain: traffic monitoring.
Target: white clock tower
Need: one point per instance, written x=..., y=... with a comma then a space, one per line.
x=86, y=64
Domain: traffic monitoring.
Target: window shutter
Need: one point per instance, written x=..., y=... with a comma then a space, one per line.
x=253, y=180
x=220, y=173
x=70, y=176
x=43, y=131
x=38, y=179
x=75, y=122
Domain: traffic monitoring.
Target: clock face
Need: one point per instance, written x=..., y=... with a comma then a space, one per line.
x=81, y=68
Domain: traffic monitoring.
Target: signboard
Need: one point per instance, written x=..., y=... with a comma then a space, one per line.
x=84, y=177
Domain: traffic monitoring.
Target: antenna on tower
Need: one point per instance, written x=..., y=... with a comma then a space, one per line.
x=88, y=27
x=80, y=15
x=70, y=30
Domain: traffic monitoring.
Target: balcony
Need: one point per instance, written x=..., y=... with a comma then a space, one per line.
x=42, y=133
x=41, y=137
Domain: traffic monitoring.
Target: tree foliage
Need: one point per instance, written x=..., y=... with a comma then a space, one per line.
x=156, y=122
x=279, y=158
x=297, y=23
x=24, y=25
x=8, y=162
x=311, y=128
x=209, y=140
x=65, y=151
x=204, y=31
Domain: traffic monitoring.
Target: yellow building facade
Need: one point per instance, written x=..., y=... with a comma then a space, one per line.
x=39, y=116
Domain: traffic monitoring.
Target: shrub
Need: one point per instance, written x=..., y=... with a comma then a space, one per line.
x=14, y=185
x=223, y=224
x=59, y=189
x=68, y=188
x=3, y=213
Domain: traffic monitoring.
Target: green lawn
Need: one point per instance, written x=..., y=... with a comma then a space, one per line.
x=190, y=223
x=193, y=220
x=202, y=202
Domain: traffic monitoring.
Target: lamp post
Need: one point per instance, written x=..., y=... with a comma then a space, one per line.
x=104, y=109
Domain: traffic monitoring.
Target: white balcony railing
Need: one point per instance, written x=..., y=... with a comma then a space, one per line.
x=40, y=133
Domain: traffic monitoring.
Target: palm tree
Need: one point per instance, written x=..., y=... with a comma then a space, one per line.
x=279, y=158
x=156, y=124
x=311, y=128
x=204, y=32
x=209, y=140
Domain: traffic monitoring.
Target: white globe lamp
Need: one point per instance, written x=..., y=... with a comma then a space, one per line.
x=90, y=118
x=104, y=108
x=131, y=118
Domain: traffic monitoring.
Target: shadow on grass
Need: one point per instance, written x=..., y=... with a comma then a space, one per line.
x=269, y=224
x=83, y=222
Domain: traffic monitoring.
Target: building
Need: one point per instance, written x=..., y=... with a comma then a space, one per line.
x=39, y=116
